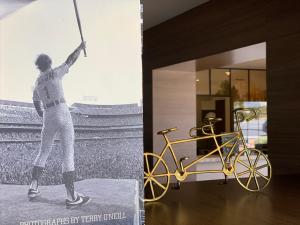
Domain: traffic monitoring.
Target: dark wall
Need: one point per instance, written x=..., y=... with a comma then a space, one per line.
x=222, y=25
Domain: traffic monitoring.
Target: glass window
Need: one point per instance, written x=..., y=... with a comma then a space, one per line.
x=202, y=82
x=255, y=130
x=220, y=82
x=258, y=85
x=239, y=85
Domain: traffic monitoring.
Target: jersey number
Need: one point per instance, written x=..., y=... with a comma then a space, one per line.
x=47, y=92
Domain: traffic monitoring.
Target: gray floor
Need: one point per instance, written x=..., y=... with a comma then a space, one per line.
x=114, y=202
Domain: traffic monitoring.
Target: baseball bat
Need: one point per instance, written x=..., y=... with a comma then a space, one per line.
x=79, y=24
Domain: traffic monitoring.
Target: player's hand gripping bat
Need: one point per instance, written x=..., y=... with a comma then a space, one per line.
x=79, y=24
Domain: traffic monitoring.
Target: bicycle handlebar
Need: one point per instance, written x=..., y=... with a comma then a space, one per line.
x=205, y=127
x=194, y=129
x=202, y=128
x=242, y=114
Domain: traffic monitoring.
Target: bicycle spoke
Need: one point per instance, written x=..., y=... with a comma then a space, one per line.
x=256, y=160
x=147, y=164
x=161, y=175
x=263, y=176
x=157, y=178
x=159, y=184
x=146, y=182
x=244, y=164
x=152, y=189
x=260, y=167
x=249, y=179
x=248, y=157
x=256, y=181
x=252, y=178
x=156, y=164
x=243, y=173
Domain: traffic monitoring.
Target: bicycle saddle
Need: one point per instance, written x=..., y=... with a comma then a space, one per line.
x=167, y=131
x=213, y=119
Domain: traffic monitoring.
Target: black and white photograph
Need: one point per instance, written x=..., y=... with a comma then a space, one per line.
x=71, y=113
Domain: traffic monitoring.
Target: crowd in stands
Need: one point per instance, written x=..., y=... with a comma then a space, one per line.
x=12, y=135
x=28, y=115
x=27, y=136
x=93, y=159
x=18, y=114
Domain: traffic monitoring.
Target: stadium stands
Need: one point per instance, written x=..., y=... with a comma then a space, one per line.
x=108, y=141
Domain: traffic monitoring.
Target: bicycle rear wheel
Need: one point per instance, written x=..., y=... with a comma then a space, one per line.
x=156, y=178
x=252, y=169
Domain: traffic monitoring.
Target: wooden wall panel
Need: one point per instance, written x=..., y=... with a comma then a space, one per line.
x=214, y=27
x=283, y=86
x=222, y=25
x=282, y=18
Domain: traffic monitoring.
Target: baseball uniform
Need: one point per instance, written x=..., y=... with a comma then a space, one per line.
x=56, y=117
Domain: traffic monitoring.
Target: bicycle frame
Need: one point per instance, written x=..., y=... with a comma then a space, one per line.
x=236, y=166
x=237, y=136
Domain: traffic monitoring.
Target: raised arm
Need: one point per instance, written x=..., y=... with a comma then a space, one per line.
x=74, y=55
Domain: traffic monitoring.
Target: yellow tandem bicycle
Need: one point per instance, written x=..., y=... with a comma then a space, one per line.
x=251, y=167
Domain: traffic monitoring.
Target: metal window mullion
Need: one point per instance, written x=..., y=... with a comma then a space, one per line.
x=248, y=85
x=209, y=75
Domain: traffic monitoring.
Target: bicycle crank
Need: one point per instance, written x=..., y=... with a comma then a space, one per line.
x=228, y=169
x=180, y=175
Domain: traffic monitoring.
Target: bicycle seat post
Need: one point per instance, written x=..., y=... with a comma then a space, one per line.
x=166, y=138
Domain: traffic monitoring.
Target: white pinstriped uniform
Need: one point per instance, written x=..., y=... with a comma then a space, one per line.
x=56, y=118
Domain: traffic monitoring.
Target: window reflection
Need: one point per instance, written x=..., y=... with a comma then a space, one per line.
x=239, y=85
x=258, y=85
x=246, y=88
x=202, y=82
x=255, y=131
x=220, y=82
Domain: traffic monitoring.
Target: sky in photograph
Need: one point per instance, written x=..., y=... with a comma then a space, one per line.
x=110, y=74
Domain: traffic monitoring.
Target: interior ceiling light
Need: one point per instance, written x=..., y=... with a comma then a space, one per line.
x=227, y=73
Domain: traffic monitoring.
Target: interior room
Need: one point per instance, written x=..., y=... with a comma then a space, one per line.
x=185, y=94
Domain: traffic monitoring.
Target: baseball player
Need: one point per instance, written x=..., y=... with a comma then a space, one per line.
x=56, y=118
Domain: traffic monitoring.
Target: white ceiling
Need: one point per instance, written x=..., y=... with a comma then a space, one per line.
x=158, y=11
x=250, y=57
x=259, y=64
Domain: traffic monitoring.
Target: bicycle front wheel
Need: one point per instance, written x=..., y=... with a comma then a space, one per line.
x=156, y=177
x=252, y=169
